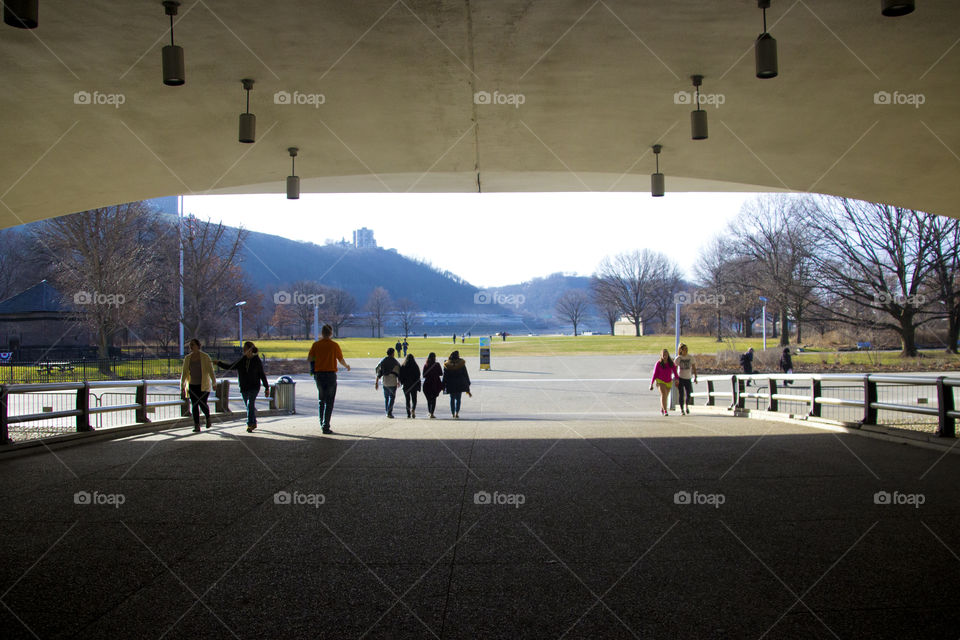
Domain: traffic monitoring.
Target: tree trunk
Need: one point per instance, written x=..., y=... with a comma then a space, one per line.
x=953, y=332
x=574, y=329
x=636, y=326
x=613, y=327
x=719, y=333
x=908, y=335
x=747, y=327
x=784, y=329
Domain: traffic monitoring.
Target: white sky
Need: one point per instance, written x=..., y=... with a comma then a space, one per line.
x=492, y=239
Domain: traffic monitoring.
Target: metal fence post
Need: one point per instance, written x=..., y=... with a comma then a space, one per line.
x=946, y=426
x=710, y=398
x=815, y=392
x=83, y=406
x=771, y=391
x=4, y=432
x=736, y=386
x=869, y=397
x=141, y=412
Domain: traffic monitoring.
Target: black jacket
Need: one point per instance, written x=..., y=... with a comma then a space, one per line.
x=455, y=376
x=249, y=372
x=410, y=377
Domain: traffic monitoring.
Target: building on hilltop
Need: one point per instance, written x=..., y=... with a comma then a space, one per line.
x=363, y=239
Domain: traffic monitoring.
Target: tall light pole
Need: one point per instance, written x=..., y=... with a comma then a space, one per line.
x=763, y=319
x=316, y=321
x=239, y=307
x=180, y=238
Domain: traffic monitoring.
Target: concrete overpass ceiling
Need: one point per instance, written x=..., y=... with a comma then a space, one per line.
x=599, y=82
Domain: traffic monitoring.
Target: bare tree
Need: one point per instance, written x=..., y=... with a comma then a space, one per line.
x=631, y=279
x=874, y=258
x=378, y=306
x=666, y=286
x=407, y=313
x=304, y=296
x=15, y=272
x=338, y=308
x=573, y=306
x=106, y=266
x=945, y=262
x=713, y=271
x=210, y=251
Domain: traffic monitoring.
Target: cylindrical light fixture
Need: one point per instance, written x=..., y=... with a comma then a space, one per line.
x=22, y=14
x=656, y=179
x=248, y=121
x=895, y=8
x=293, y=180
x=765, y=48
x=698, y=117
x=173, y=67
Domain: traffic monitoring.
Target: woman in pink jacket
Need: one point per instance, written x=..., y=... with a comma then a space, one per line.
x=663, y=375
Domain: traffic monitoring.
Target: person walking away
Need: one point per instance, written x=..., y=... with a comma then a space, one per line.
x=786, y=364
x=456, y=381
x=323, y=358
x=405, y=346
x=663, y=374
x=410, y=379
x=432, y=383
x=250, y=374
x=746, y=362
x=389, y=370
x=454, y=338
x=686, y=369
x=398, y=347
x=197, y=380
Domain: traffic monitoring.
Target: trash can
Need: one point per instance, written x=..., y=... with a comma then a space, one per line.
x=284, y=394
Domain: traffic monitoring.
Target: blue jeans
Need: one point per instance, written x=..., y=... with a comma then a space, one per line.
x=250, y=402
x=389, y=397
x=327, y=393
x=455, y=397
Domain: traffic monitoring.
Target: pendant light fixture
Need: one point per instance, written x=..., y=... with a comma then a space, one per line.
x=248, y=121
x=656, y=179
x=698, y=117
x=22, y=14
x=293, y=180
x=173, y=71
x=765, y=48
x=895, y=8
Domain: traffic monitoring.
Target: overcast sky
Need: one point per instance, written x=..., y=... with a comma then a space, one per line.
x=492, y=239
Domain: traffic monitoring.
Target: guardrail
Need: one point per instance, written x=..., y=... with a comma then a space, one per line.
x=78, y=409
x=873, y=391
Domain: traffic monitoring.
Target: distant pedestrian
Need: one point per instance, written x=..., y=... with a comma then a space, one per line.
x=410, y=380
x=686, y=369
x=456, y=381
x=463, y=338
x=250, y=374
x=786, y=364
x=197, y=380
x=454, y=338
x=432, y=384
x=405, y=345
x=323, y=357
x=424, y=336
x=504, y=335
x=398, y=347
x=663, y=374
x=746, y=363
x=389, y=370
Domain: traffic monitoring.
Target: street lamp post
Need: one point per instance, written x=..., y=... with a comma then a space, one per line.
x=763, y=320
x=239, y=307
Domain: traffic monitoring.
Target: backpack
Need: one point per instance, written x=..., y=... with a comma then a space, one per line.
x=743, y=359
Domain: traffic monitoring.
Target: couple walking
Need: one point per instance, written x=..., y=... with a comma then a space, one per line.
x=197, y=380
x=683, y=370
x=451, y=378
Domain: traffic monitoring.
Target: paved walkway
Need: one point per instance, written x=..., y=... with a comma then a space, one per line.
x=560, y=505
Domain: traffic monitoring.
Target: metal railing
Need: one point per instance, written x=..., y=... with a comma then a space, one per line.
x=36, y=411
x=867, y=399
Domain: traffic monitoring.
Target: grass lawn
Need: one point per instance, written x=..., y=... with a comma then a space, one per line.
x=514, y=346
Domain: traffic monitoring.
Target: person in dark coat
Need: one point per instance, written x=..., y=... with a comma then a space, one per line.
x=410, y=379
x=432, y=384
x=786, y=364
x=250, y=374
x=456, y=381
